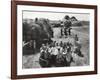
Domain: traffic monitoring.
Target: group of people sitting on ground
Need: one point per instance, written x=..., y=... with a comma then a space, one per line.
x=59, y=54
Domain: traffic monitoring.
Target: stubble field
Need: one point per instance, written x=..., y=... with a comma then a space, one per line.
x=32, y=61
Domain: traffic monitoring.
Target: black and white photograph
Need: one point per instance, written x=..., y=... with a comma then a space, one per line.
x=55, y=39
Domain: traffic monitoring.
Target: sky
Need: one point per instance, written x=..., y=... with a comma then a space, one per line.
x=53, y=15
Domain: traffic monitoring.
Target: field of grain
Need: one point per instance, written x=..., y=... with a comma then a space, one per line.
x=32, y=60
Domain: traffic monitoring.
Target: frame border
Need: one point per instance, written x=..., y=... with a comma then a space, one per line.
x=14, y=39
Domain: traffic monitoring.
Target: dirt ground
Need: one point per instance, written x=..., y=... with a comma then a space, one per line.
x=32, y=61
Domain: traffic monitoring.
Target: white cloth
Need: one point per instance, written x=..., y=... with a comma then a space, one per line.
x=54, y=51
x=49, y=50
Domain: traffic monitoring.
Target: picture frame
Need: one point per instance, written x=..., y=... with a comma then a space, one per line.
x=16, y=18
